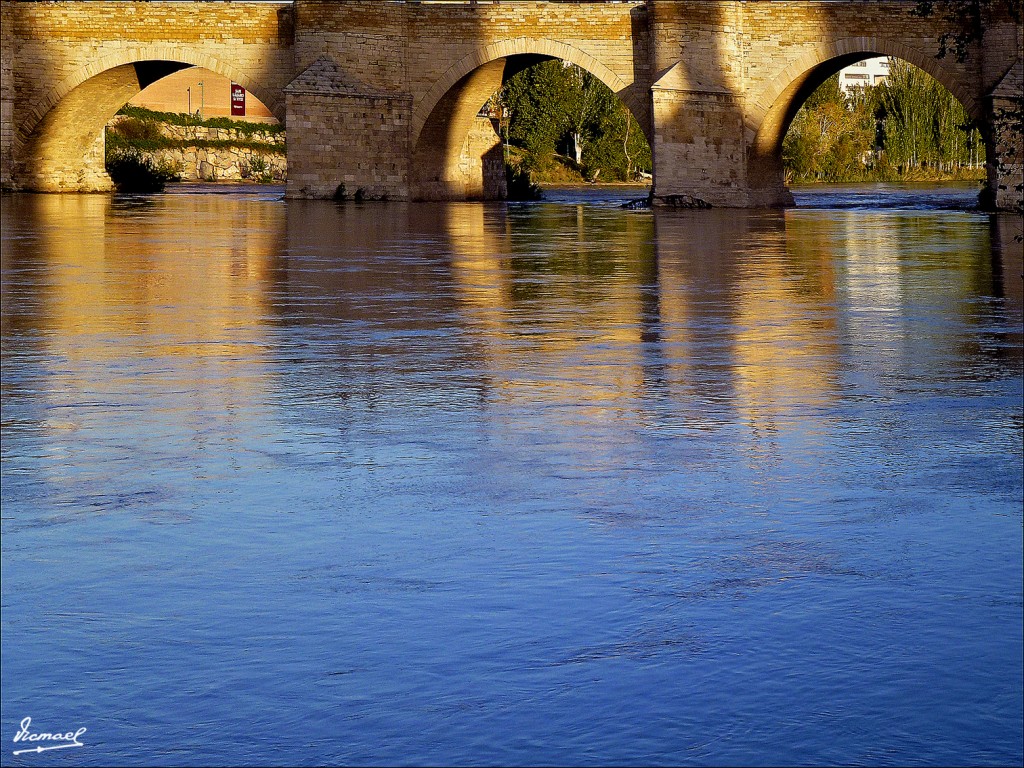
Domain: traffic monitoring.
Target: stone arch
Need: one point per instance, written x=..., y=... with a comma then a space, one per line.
x=768, y=118
x=60, y=140
x=442, y=118
x=140, y=54
x=519, y=46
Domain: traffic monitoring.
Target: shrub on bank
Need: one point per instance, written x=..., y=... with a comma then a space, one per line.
x=520, y=183
x=136, y=129
x=132, y=171
x=144, y=151
x=148, y=137
x=257, y=169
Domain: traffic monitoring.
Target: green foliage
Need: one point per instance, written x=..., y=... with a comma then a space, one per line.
x=556, y=108
x=827, y=140
x=257, y=169
x=135, y=129
x=115, y=140
x=520, y=183
x=828, y=92
x=182, y=118
x=924, y=123
x=619, y=148
x=131, y=140
x=141, y=131
x=132, y=171
x=909, y=127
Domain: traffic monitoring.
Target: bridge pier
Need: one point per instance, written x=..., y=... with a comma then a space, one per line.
x=700, y=152
x=1004, y=142
x=344, y=137
x=42, y=168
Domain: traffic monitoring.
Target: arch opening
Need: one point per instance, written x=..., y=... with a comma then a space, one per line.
x=896, y=123
x=61, y=144
x=195, y=125
x=460, y=130
x=801, y=82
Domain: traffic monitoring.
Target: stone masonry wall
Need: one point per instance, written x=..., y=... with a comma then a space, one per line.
x=7, y=47
x=754, y=61
x=65, y=42
x=1007, y=142
x=416, y=48
x=224, y=164
x=209, y=133
x=74, y=64
x=358, y=141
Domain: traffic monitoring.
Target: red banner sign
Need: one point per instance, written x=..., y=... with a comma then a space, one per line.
x=237, y=100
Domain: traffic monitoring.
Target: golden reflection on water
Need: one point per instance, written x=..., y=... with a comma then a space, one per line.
x=785, y=345
x=765, y=327
x=180, y=282
x=639, y=372
x=726, y=313
x=556, y=336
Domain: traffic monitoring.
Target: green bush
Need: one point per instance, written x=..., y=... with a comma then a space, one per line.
x=136, y=129
x=116, y=140
x=131, y=171
x=258, y=169
x=559, y=115
x=520, y=183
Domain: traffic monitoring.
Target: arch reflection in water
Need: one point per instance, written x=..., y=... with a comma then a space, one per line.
x=618, y=478
x=136, y=328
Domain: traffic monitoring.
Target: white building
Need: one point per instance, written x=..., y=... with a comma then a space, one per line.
x=867, y=72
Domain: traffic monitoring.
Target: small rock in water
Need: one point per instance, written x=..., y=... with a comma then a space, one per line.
x=681, y=201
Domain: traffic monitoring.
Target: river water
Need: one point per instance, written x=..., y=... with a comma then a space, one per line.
x=545, y=483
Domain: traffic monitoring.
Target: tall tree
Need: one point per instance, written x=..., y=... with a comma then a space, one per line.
x=835, y=135
x=557, y=107
x=829, y=137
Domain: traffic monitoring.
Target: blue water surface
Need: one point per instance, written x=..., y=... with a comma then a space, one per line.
x=556, y=483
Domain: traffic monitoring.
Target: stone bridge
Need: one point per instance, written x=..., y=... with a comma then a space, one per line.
x=385, y=95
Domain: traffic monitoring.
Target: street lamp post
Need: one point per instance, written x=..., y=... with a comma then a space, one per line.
x=202, y=98
x=189, y=92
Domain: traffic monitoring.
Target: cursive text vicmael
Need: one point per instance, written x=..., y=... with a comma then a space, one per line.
x=26, y=735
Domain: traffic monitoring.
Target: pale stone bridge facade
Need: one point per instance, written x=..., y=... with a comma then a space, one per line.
x=384, y=96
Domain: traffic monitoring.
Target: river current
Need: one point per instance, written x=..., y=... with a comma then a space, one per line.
x=539, y=483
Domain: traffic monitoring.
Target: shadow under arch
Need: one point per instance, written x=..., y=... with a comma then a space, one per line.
x=442, y=120
x=60, y=144
x=770, y=116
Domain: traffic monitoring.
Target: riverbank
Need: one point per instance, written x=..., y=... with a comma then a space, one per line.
x=896, y=175
x=218, y=149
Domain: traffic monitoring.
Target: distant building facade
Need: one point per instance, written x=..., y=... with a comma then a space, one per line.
x=190, y=90
x=868, y=72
